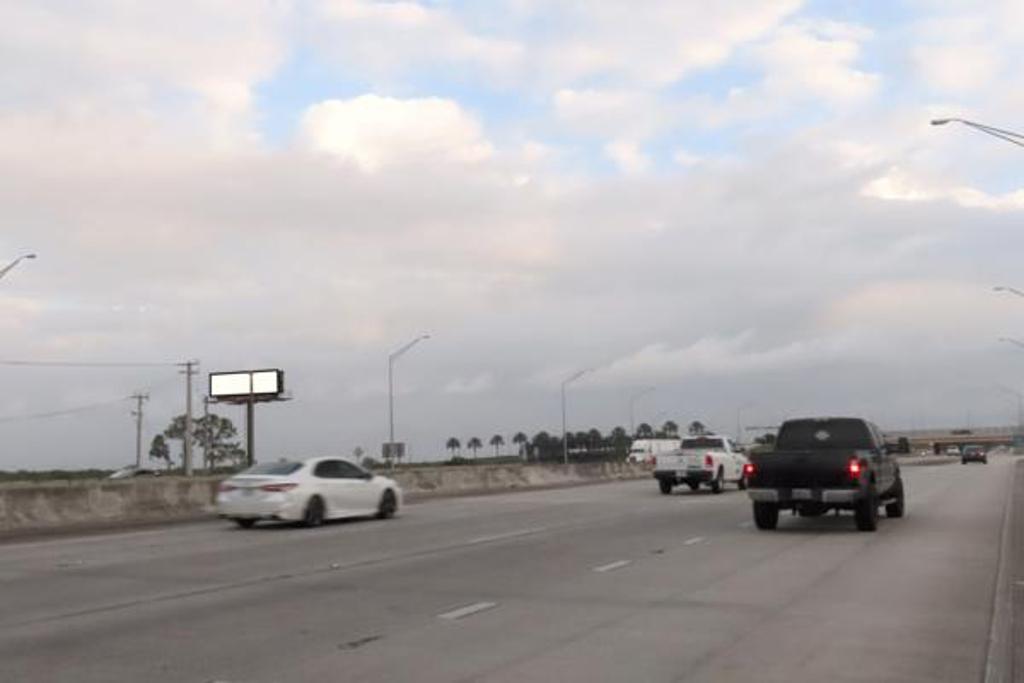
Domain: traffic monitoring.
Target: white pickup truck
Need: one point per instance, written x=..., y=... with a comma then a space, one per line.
x=712, y=460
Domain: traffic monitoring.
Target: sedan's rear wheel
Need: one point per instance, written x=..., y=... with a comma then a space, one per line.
x=314, y=515
x=388, y=505
x=245, y=523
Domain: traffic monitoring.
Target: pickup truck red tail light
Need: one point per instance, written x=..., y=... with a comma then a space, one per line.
x=748, y=469
x=708, y=461
x=854, y=468
x=277, y=488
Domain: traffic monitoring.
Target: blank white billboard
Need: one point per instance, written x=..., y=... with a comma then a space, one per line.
x=247, y=383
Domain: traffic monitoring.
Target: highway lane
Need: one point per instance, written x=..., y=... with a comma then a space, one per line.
x=601, y=583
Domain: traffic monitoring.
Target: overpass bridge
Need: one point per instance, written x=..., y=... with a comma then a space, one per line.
x=938, y=439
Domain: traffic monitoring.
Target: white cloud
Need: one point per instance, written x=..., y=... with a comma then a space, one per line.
x=471, y=385
x=627, y=156
x=899, y=185
x=685, y=158
x=384, y=38
x=958, y=68
x=373, y=132
x=817, y=59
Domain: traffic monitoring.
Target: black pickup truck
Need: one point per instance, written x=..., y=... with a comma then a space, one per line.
x=822, y=464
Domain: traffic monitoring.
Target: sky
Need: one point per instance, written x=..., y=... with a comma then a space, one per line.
x=741, y=205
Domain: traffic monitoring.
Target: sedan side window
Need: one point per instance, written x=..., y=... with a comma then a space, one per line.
x=328, y=469
x=347, y=470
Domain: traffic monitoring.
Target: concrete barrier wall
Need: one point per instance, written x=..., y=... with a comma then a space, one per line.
x=71, y=504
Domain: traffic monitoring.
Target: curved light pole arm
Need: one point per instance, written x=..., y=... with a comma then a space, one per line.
x=1001, y=133
x=565, y=437
x=391, y=385
x=10, y=266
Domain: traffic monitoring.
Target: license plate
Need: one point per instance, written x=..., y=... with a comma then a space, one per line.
x=801, y=494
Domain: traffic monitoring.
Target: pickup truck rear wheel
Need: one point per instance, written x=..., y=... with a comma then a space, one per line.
x=895, y=508
x=742, y=483
x=866, y=512
x=665, y=486
x=718, y=483
x=766, y=515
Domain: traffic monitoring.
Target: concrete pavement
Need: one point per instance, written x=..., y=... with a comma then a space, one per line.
x=603, y=583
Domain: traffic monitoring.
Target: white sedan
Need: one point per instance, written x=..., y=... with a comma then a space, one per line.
x=310, y=492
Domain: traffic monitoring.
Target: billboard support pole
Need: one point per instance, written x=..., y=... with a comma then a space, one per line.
x=188, y=417
x=250, y=434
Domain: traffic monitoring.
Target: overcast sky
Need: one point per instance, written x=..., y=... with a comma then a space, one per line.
x=741, y=204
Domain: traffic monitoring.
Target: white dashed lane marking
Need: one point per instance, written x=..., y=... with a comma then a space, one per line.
x=694, y=541
x=612, y=566
x=463, y=612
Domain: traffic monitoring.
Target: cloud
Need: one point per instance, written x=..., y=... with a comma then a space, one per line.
x=373, y=132
x=899, y=185
x=472, y=385
x=627, y=156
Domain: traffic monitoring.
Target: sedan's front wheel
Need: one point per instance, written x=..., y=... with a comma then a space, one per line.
x=388, y=505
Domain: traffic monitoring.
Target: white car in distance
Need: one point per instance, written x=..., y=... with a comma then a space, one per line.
x=710, y=460
x=309, y=491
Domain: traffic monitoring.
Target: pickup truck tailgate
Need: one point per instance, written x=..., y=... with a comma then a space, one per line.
x=802, y=469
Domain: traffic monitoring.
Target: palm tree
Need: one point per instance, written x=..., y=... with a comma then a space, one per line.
x=474, y=444
x=543, y=442
x=497, y=441
x=595, y=439
x=644, y=431
x=697, y=428
x=521, y=440
x=453, y=445
x=671, y=429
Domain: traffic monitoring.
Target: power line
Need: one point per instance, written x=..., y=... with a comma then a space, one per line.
x=60, y=413
x=75, y=364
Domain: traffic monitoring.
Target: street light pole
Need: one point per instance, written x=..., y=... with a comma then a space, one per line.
x=632, y=400
x=565, y=436
x=1001, y=133
x=391, y=388
x=10, y=266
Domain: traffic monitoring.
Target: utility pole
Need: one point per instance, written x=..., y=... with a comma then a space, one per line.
x=190, y=370
x=565, y=436
x=137, y=414
x=206, y=414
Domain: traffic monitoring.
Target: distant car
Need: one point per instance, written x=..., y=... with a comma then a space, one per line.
x=973, y=454
x=309, y=491
x=952, y=450
x=711, y=460
x=132, y=471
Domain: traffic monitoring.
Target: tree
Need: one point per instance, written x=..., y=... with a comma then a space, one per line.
x=595, y=439
x=521, y=440
x=474, y=444
x=903, y=444
x=497, y=441
x=212, y=433
x=357, y=453
x=644, y=431
x=543, y=443
x=697, y=428
x=671, y=429
x=158, y=450
x=453, y=445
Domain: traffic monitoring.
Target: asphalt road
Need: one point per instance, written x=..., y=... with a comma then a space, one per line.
x=602, y=583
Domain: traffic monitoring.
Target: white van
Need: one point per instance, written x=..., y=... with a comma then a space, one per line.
x=645, y=450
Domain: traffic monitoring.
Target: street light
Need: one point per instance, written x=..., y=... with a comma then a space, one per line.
x=632, y=400
x=1011, y=290
x=565, y=437
x=739, y=427
x=1020, y=403
x=1002, y=134
x=10, y=266
x=1010, y=340
x=391, y=389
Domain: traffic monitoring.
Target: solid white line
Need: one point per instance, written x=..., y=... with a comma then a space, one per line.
x=467, y=610
x=693, y=541
x=612, y=566
x=504, y=536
